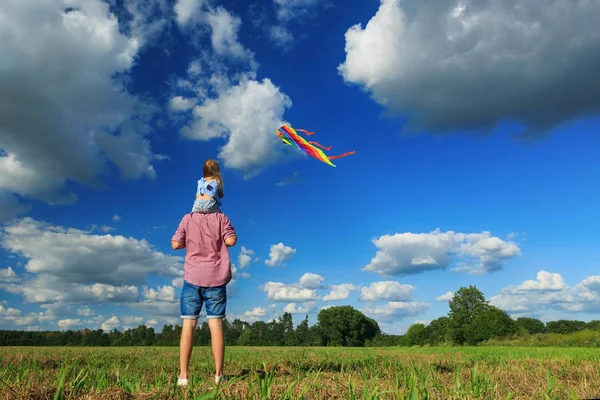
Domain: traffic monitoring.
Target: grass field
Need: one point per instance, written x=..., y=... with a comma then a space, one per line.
x=303, y=373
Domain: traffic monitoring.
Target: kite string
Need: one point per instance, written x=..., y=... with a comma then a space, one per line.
x=320, y=146
x=341, y=155
x=305, y=131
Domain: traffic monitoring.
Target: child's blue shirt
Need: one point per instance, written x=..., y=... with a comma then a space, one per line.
x=210, y=188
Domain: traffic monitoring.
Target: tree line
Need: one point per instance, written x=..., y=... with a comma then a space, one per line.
x=470, y=321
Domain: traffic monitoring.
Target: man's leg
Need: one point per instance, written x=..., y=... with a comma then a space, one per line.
x=215, y=299
x=217, y=342
x=191, y=304
x=185, y=346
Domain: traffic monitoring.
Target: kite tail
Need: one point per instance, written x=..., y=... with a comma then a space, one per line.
x=305, y=131
x=320, y=146
x=341, y=155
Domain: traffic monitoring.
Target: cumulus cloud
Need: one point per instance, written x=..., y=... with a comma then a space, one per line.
x=289, y=13
x=412, y=253
x=111, y=323
x=294, y=308
x=311, y=281
x=249, y=103
x=396, y=310
x=62, y=123
x=245, y=257
x=8, y=275
x=304, y=290
x=179, y=103
x=340, y=292
x=187, y=11
x=547, y=293
x=73, y=255
x=228, y=98
x=388, y=290
x=279, y=253
x=467, y=65
x=278, y=291
x=448, y=296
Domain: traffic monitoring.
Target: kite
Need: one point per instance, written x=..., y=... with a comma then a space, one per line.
x=289, y=136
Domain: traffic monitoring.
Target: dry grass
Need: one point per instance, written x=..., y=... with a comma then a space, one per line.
x=303, y=373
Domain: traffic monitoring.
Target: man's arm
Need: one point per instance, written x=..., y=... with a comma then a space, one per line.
x=230, y=241
x=229, y=235
x=178, y=239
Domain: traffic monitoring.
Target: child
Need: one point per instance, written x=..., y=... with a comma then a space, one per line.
x=210, y=189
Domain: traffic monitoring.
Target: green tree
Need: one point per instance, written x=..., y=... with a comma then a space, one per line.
x=346, y=326
x=438, y=331
x=490, y=323
x=415, y=335
x=531, y=325
x=565, y=326
x=465, y=306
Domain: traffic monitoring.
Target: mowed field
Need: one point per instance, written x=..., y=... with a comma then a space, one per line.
x=303, y=373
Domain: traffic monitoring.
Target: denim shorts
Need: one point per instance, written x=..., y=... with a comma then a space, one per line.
x=192, y=298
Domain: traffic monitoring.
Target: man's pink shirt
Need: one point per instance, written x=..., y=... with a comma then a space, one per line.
x=207, y=260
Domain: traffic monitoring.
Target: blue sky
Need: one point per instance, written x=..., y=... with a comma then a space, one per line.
x=476, y=157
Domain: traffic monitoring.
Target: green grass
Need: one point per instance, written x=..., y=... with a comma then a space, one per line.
x=303, y=373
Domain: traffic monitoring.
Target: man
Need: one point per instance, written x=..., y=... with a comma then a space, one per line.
x=207, y=271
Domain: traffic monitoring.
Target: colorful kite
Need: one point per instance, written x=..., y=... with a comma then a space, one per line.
x=289, y=136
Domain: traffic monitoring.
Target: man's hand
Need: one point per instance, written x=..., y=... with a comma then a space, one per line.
x=230, y=241
x=176, y=245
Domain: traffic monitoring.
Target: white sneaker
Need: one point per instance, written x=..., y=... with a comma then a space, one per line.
x=182, y=382
x=221, y=378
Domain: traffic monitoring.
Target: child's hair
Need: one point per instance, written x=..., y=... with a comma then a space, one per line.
x=211, y=168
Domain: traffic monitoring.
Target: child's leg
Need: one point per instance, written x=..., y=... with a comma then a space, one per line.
x=205, y=206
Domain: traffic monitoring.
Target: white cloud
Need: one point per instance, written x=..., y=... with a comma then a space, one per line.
x=46, y=288
x=549, y=293
x=163, y=293
x=177, y=282
x=245, y=257
x=187, y=10
x=412, y=253
x=256, y=312
x=85, y=312
x=448, y=296
x=133, y=321
x=388, y=290
x=62, y=111
x=111, y=323
x=307, y=308
x=279, y=253
x=66, y=324
x=281, y=292
x=544, y=282
x=178, y=103
x=9, y=312
x=116, y=218
x=340, y=292
x=250, y=103
x=288, y=11
x=430, y=60
x=73, y=255
x=225, y=28
x=281, y=36
x=311, y=281
x=8, y=275
x=395, y=310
